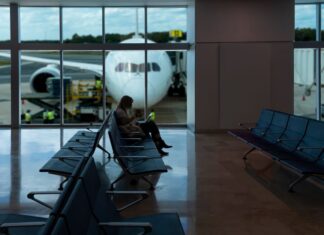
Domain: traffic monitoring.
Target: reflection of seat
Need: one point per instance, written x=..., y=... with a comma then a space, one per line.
x=82, y=144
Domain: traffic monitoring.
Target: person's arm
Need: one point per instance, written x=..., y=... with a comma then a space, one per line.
x=123, y=118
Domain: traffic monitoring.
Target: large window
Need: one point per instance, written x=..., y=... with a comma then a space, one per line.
x=4, y=24
x=166, y=86
x=39, y=24
x=308, y=60
x=124, y=23
x=77, y=62
x=40, y=87
x=83, y=89
x=82, y=25
x=5, y=94
x=305, y=88
x=167, y=24
x=305, y=22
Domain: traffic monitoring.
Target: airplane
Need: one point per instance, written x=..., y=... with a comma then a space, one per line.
x=125, y=73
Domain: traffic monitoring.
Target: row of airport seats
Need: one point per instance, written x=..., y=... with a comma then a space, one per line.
x=81, y=144
x=294, y=141
x=83, y=205
x=67, y=163
x=138, y=157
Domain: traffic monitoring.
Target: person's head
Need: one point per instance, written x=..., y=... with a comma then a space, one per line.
x=28, y=111
x=125, y=102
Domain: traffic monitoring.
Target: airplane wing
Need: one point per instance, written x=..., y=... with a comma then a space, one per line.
x=78, y=65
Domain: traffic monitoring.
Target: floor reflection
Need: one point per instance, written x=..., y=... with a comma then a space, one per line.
x=207, y=183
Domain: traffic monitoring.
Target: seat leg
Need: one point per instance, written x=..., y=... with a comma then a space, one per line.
x=248, y=152
x=116, y=180
x=60, y=188
x=298, y=180
x=149, y=182
x=104, y=150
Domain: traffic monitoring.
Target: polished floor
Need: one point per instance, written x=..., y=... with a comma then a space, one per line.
x=208, y=184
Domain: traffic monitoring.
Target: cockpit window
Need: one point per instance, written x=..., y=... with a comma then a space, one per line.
x=142, y=67
x=119, y=67
x=131, y=68
x=135, y=68
x=156, y=67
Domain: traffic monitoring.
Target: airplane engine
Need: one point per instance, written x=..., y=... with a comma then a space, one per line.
x=39, y=78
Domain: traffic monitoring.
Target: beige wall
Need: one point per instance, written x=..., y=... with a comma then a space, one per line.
x=243, y=61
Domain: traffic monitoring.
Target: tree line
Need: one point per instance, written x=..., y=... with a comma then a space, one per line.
x=159, y=37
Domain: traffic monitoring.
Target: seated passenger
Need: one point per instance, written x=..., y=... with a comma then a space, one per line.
x=130, y=127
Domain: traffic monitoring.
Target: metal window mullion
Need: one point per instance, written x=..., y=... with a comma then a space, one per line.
x=145, y=84
x=61, y=24
x=62, y=89
x=145, y=62
x=15, y=65
x=104, y=85
x=318, y=62
x=145, y=25
x=61, y=70
x=103, y=77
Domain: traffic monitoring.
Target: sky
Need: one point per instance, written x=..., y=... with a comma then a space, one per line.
x=43, y=23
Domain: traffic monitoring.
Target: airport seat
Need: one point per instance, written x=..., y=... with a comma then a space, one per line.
x=16, y=224
x=136, y=165
x=293, y=141
x=108, y=216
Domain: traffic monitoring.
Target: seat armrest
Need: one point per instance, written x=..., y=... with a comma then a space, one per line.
x=137, y=157
x=76, y=158
x=32, y=195
x=309, y=147
x=130, y=138
x=143, y=195
x=281, y=140
x=132, y=146
x=5, y=226
x=145, y=225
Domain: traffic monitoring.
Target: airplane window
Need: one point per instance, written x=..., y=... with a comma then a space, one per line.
x=131, y=68
x=120, y=67
x=142, y=67
x=156, y=67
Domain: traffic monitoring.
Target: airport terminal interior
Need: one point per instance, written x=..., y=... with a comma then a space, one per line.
x=197, y=69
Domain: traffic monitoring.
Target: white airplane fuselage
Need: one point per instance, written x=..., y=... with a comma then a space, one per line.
x=125, y=75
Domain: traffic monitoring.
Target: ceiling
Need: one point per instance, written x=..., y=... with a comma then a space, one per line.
x=97, y=2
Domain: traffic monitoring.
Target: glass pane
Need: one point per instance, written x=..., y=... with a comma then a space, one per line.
x=322, y=84
x=4, y=24
x=5, y=94
x=127, y=81
x=83, y=86
x=167, y=24
x=305, y=22
x=166, y=86
x=5, y=168
x=40, y=87
x=305, y=82
x=39, y=24
x=123, y=23
x=37, y=147
x=82, y=25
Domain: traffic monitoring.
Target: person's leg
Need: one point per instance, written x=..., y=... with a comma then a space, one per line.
x=151, y=127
